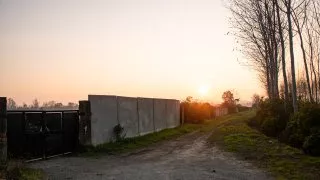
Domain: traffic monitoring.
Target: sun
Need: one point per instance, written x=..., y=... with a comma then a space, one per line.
x=203, y=90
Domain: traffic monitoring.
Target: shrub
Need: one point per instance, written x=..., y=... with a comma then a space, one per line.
x=292, y=134
x=118, y=132
x=272, y=117
x=301, y=131
x=298, y=132
x=309, y=116
x=197, y=112
x=268, y=126
x=312, y=144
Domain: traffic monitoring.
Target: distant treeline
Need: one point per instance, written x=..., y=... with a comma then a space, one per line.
x=197, y=112
x=36, y=105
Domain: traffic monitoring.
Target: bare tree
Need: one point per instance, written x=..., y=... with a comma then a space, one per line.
x=299, y=16
x=288, y=10
x=255, y=27
x=316, y=15
x=265, y=29
x=24, y=106
x=35, y=104
x=283, y=51
x=313, y=43
x=11, y=104
x=313, y=31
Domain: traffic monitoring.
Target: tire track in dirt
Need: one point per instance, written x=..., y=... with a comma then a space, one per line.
x=185, y=158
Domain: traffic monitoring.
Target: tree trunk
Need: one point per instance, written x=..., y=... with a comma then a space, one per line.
x=305, y=62
x=293, y=73
x=283, y=56
x=276, y=51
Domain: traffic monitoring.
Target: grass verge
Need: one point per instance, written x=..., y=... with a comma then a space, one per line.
x=130, y=144
x=24, y=173
x=233, y=134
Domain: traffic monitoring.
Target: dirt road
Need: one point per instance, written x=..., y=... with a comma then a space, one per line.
x=187, y=157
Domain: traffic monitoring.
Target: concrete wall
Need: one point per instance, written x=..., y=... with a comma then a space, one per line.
x=177, y=113
x=221, y=111
x=145, y=109
x=103, y=118
x=173, y=111
x=128, y=115
x=138, y=116
x=160, y=114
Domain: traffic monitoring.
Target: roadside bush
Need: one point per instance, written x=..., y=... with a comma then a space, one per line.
x=196, y=112
x=268, y=126
x=271, y=117
x=312, y=144
x=302, y=126
x=292, y=134
x=118, y=132
x=302, y=130
x=309, y=118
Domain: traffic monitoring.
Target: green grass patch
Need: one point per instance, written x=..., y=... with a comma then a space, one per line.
x=23, y=173
x=233, y=134
x=129, y=144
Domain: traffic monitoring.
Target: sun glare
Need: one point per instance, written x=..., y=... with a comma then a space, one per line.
x=203, y=90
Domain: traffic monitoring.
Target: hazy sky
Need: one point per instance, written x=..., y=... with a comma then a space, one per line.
x=64, y=50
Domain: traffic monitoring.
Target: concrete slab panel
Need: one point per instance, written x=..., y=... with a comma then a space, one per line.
x=128, y=116
x=177, y=113
x=146, y=125
x=170, y=104
x=173, y=113
x=160, y=121
x=103, y=118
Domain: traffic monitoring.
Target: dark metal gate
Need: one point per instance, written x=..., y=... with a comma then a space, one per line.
x=42, y=134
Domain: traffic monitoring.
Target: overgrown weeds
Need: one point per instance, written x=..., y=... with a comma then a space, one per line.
x=300, y=130
x=234, y=134
x=18, y=171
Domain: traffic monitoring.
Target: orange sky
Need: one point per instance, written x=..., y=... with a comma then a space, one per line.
x=63, y=51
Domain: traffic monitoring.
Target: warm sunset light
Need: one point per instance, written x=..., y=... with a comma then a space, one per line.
x=183, y=80
x=143, y=48
x=203, y=90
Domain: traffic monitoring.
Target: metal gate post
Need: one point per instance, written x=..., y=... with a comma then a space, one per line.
x=3, y=135
x=43, y=127
x=84, y=123
x=63, y=133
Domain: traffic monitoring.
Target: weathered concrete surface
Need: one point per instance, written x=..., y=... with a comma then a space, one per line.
x=103, y=118
x=128, y=116
x=221, y=111
x=172, y=114
x=138, y=116
x=186, y=158
x=177, y=114
x=145, y=107
x=160, y=121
